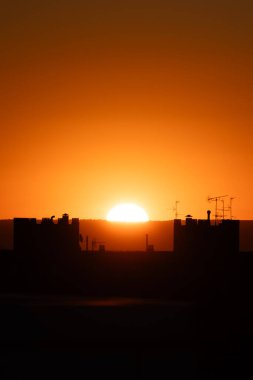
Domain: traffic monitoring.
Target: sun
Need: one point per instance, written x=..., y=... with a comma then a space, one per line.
x=127, y=213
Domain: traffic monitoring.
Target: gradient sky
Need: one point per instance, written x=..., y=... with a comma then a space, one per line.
x=105, y=102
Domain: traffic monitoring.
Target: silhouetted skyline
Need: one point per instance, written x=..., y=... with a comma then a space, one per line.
x=108, y=102
x=55, y=296
x=46, y=250
x=128, y=237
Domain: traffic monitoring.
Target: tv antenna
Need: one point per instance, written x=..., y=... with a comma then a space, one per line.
x=174, y=209
x=216, y=199
x=230, y=207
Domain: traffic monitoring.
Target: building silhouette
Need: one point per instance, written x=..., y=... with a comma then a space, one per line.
x=32, y=237
x=203, y=236
x=48, y=259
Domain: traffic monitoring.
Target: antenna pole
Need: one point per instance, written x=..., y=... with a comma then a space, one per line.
x=223, y=209
x=176, y=209
x=230, y=208
x=216, y=199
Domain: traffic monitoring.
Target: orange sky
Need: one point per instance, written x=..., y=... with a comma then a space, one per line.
x=135, y=101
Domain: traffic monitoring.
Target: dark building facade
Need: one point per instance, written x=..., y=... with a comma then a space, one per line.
x=46, y=237
x=202, y=236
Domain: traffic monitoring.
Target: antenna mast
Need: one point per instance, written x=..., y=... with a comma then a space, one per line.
x=216, y=199
x=230, y=207
x=176, y=209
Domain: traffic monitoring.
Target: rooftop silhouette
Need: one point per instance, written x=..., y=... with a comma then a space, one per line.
x=47, y=258
x=126, y=298
x=201, y=236
x=47, y=237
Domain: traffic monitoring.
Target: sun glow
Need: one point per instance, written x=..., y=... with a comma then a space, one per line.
x=128, y=213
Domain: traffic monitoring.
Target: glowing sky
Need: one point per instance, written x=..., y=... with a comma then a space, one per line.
x=106, y=102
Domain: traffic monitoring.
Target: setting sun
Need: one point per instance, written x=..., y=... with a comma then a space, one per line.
x=127, y=212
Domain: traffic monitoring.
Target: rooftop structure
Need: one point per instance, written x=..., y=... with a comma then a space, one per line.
x=30, y=236
x=202, y=236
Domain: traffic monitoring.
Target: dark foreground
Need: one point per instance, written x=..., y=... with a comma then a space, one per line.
x=118, y=338
x=126, y=316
